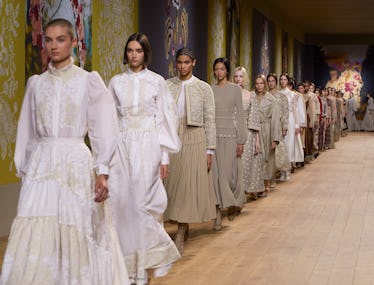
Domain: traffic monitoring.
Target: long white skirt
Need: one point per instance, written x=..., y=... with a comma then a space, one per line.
x=139, y=201
x=60, y=235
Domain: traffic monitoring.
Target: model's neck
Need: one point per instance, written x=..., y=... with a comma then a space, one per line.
x=137, y=68
x=222, y=82
x=186, y=77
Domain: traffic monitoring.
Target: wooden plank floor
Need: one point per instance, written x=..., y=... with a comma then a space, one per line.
x=316, y=229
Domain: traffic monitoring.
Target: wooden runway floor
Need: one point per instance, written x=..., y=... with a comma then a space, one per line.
x=316, y=229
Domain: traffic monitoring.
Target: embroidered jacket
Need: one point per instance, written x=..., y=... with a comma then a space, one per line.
x=200, y=108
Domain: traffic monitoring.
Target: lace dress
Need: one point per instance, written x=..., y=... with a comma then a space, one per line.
x=60, y=235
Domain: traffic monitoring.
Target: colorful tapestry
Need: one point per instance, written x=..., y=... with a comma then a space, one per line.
x=40, y=12
x=176, y=32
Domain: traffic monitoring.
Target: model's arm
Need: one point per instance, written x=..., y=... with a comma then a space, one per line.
x=26, y=132
x=168, y=122
x=102, y=123
x=253, y=122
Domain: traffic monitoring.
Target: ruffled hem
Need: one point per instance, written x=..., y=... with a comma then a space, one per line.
x=43, y=251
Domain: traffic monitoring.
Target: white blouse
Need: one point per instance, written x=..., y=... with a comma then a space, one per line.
x=67, y=103
x=144, y=103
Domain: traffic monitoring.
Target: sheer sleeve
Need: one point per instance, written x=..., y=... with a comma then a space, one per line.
x=301, y=111
x=168, y=120
x=102, y=123
x=26, y=131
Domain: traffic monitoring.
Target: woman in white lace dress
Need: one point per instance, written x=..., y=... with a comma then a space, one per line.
x=148, y=124
x=63, y=233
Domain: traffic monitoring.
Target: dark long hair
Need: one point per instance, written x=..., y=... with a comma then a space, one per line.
x=226, y=62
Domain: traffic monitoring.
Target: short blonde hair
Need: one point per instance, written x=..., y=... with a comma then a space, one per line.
x=62, y=23
x=245, y=74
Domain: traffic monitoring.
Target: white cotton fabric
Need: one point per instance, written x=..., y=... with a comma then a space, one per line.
x=60, y=235
x=148, y=122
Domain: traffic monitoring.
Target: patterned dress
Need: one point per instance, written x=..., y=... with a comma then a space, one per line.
x=253, y=179
x=271, y=130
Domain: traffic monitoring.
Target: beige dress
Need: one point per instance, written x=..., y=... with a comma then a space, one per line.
x=271, y=130
x=191, y=197
x=282, y=149
x=226, y=166
x=253, y=180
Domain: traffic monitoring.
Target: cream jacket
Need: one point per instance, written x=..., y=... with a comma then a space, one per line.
x=200, y=108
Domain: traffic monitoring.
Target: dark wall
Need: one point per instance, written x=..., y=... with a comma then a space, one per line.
x=263, y=45
x=152, y=17
x=298, y=60
x=314, y=66
x=367, y=72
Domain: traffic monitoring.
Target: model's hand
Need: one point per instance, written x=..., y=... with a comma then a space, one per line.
x=297, y=131
x=164, y=171
x=101, y=188
x=209, y=161
x=239, y=150
x=284, y=133
x=257, y=145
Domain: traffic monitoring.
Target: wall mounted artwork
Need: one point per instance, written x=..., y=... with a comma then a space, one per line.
x=263, y=45
x=40, y=12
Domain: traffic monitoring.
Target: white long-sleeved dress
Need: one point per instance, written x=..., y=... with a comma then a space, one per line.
x=368, y=121
x=60, y=235
x=293, y=141
x=148, y=124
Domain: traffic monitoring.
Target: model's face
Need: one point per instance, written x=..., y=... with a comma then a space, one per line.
x=301, y=89
x=259, y=85
x=324, y=93
x=272, y=83
x=220, y=71
x=283, y=81
x=185, y=65
x=306, y=87
x=312, y=88
x=318, y=93
x=239, y=78
x=333, y=74
x=59, y=45
x=135, y=55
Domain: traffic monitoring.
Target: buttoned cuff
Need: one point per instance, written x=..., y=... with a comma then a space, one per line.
x=102, y=169
x=164, y=157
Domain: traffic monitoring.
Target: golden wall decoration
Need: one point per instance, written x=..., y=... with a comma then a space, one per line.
x=216, y=33
x=11, y=81
x=246, y=39
x=116, y=21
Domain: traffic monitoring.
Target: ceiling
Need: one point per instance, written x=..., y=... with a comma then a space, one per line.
x=319, y=18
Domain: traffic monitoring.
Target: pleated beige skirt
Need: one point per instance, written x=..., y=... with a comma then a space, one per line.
x=191, y=197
